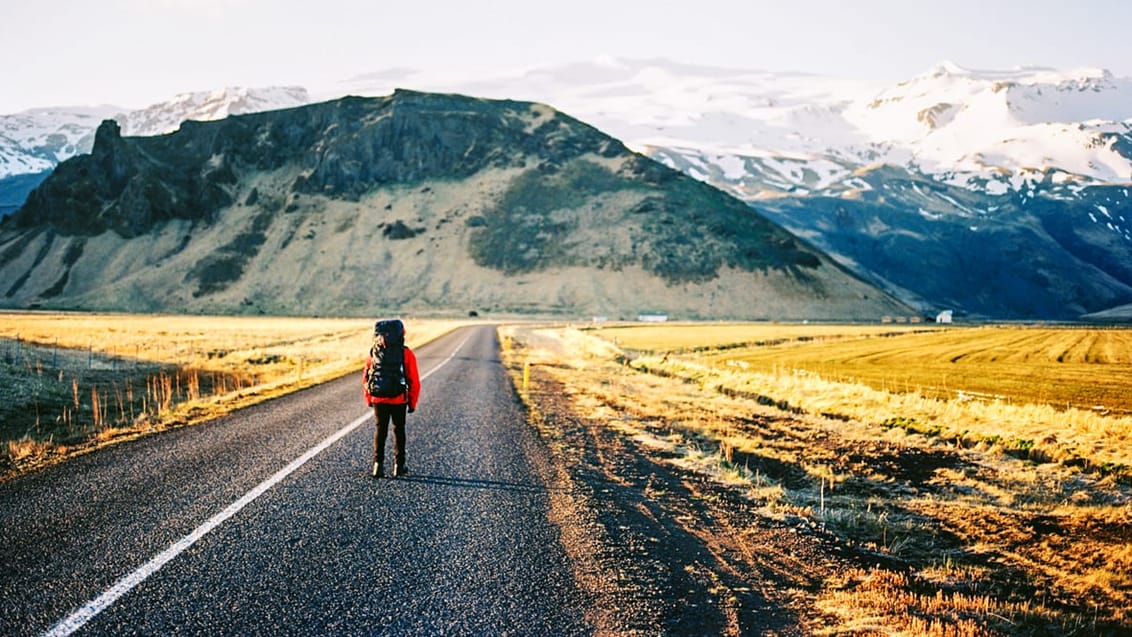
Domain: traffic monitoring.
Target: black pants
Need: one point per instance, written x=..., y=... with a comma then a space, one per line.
x=383, y=413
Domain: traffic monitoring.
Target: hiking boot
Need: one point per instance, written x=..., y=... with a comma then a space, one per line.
x=378, y=471
x=400, y=470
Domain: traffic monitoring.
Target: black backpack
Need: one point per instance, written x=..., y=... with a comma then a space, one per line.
x=387, y=374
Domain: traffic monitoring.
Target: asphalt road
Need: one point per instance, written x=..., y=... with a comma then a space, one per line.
x=263, y=523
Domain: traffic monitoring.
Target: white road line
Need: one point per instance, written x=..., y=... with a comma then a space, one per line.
x=88, y=611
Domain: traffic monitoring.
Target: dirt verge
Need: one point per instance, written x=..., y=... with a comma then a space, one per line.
x=832, y=527
x=668, y=551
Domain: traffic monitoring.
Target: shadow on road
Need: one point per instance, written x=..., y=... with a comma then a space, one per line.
x=475, y=483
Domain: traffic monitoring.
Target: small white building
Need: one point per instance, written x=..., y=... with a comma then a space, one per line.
x=652, y=318
x=943, y=317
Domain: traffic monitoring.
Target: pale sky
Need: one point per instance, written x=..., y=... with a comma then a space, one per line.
x=133, y=53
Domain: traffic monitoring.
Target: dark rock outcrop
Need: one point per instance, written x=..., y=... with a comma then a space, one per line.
x=342, y=148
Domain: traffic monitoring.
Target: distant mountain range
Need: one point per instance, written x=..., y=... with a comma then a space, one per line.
x=33, y=142
x=998, y=194
x=413, y=202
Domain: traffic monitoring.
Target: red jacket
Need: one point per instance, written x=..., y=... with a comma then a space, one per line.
x=411, y=376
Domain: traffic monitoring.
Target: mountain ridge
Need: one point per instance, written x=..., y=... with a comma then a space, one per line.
x=998, y=141
x=463, y=202
x=993, y=151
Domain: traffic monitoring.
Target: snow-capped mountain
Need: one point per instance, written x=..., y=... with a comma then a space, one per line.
x=462, y=202
x=33, y=142
x=755, y=133
x=36, y=140
x=167, y=116
x=997, y=193
x=765, y=133
x=998, y=129
x=909, y=184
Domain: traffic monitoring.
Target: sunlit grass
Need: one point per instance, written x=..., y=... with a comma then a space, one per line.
x=1010, y=517
x=74, y=381
x=1086, y=368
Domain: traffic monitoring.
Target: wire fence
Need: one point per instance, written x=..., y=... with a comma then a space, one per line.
x=66, y=393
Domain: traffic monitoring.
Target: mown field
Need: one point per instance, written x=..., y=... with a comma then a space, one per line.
x=976, y=481
x=1087, y=368
x=69, y=382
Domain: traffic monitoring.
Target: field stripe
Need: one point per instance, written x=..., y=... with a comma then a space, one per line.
x=88, y=611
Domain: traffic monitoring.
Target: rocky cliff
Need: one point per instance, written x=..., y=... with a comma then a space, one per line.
x=410, y=203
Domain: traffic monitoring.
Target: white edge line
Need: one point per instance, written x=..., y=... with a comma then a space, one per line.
x=88, y=611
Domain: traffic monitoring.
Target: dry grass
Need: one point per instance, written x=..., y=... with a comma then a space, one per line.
x=1086, y=368
x=669, y=337
x=999, y=382
x=881, y=602
x=72, y=382
x=972, y=534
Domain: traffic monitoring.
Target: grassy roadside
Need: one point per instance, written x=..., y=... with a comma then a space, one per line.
x=1011, y=389
x=948, y=538
x=70, y=383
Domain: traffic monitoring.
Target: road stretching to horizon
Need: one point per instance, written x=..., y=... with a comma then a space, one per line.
x=267, y=522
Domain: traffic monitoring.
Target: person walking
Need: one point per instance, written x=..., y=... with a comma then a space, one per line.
x=391, y=385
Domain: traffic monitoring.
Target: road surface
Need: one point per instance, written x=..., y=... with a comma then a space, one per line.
x=266, y=522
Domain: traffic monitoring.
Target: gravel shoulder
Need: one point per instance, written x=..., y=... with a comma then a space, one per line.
x=669, y=551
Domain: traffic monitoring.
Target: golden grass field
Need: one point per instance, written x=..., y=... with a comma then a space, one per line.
x=968, y=460
x=69, y=382
x=1088, y=368
x=1062, y=394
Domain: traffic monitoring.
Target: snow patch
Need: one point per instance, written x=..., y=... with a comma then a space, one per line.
x=733, y=167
